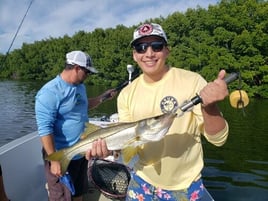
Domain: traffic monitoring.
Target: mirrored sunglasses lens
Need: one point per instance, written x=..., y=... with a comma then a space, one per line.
x=141, y=48
x=157, y=46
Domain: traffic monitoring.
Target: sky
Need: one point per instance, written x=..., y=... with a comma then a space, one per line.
x=56, y=18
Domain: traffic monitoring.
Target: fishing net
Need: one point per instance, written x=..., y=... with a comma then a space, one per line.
x=111, y=178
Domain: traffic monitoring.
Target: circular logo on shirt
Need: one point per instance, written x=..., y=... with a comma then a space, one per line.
x=168, y=104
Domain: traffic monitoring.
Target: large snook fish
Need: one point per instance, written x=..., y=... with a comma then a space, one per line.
x=121, y=136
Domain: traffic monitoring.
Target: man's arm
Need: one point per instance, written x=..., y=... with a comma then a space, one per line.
x=96, y=101
x=49, y=147
x=211, y=94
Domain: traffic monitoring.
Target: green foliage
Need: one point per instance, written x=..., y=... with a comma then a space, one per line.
x=232, y=35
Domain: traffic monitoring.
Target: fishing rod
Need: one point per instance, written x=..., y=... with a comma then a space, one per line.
x=197, y=99
x=130, y=70
x=119, y=87
x=4, y=60
x=122, y=85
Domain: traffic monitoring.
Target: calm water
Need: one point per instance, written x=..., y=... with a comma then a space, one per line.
x=237, y=171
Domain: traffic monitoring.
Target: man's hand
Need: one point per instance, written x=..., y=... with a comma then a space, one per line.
x=99, y=150
x=108, y=95
x=214, y=91
x=55, y=168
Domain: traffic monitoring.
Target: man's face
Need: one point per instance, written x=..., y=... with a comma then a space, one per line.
x=150, y=53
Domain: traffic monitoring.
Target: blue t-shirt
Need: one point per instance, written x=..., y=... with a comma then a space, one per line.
x=62, y=110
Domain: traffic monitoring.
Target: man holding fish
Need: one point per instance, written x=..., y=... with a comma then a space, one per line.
x=168, y=169
x=61, y=113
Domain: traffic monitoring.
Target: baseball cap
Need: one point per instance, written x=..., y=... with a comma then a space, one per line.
x=80, y=58
x=148, y=29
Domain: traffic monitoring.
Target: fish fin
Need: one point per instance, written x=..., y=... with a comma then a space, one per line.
x=158, y=168
x=61, y=157
x=128, y=153
x=89, y=128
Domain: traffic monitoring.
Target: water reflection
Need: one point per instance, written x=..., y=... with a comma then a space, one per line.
x=239, y=170
x=16, y=107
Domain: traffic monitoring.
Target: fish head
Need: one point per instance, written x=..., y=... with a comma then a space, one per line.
x=155, y=128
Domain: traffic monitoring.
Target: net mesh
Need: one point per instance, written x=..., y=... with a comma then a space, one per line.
x=109, y=177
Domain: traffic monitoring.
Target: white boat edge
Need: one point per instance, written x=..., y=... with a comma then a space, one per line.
x=23, y=169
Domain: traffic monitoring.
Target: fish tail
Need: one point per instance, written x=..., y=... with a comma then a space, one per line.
x=61, y=157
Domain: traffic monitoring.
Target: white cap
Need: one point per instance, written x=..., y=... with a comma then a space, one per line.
x=80, y=58
x=147, y=29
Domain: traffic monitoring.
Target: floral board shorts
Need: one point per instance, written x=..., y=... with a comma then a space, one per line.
x=140, y=190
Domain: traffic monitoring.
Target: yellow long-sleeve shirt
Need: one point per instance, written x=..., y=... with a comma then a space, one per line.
x=177, y=160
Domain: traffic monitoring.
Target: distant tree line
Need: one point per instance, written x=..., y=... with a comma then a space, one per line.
x=232, y=35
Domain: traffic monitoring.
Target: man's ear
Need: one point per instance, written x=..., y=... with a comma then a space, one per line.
x=134, y=56
x=168, y=50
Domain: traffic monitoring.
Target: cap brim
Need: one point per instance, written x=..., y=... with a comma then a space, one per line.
x=135, y=40
x=92, y=69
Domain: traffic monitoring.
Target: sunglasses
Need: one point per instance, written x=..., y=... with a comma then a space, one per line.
x=157, y=46
x=87, y=72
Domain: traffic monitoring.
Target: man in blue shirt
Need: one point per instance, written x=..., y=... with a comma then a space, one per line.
x=61, y=112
